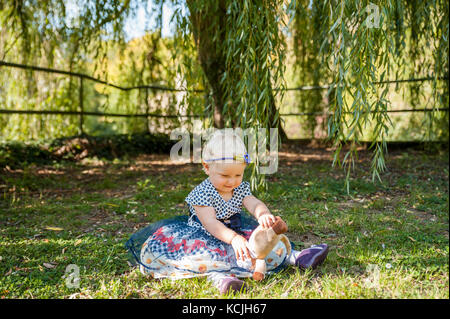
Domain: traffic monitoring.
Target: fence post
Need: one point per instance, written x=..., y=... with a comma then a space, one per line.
x=80, y=98
x=147, y=122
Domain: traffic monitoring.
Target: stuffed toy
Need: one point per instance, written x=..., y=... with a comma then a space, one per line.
x=261, y=243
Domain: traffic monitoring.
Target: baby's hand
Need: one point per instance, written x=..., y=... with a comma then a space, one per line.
x=266, y=220
x=239, y=244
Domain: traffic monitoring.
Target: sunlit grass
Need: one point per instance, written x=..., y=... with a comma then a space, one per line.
x=386, y=240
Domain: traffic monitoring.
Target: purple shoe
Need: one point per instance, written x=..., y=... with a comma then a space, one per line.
x=312, y=256
x=231, y=285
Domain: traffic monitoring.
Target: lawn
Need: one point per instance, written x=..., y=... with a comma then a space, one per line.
x=387, y=240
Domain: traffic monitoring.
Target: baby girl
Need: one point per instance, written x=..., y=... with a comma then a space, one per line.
x=213, y=240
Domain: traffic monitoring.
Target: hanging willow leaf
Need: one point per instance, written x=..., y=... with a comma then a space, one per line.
x=356, y=52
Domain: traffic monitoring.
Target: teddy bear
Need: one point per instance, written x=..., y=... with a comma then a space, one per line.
x=262, y=241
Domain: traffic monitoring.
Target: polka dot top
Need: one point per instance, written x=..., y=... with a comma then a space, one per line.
x=205, y=194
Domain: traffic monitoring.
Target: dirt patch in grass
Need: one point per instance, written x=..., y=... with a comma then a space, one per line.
x=422, y=215
x=304, y=240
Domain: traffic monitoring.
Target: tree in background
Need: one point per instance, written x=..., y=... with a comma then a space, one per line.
x=353, y=45
x=350, y=45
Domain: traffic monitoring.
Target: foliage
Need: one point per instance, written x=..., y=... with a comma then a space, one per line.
x=241, y=50
x=147, y=60
x=359, y=50
x=17, y=155
x=308, y=64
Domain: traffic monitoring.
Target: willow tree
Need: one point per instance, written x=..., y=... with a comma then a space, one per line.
x=75, y=36
x=240, y=46
x=356, y=47
x=241, y=51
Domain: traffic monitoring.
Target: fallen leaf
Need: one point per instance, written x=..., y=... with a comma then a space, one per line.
x=411, y=238
x=340, y=255
x=49, y=265
x=53, y=228
x=79, y=241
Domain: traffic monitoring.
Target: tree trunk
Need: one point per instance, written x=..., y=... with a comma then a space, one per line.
x=276, y=122
x=212, y=58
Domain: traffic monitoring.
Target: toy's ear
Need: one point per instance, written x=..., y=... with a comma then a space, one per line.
x=287, y=243
x=279, y=227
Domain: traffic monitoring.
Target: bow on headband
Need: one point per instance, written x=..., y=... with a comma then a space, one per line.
x=245, y=158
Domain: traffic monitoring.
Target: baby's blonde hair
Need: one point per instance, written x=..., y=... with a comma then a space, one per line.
x=225, y=143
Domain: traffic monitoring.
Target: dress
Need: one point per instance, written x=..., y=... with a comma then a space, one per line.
x=180, y=247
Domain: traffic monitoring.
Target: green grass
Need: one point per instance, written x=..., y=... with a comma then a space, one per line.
x=386, y=240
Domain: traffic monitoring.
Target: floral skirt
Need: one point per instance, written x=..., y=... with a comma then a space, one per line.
x=173, y=248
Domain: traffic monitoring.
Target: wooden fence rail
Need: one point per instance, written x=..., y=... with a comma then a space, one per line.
x=156, y=87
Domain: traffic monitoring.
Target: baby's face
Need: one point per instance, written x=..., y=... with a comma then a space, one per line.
x=225, y=176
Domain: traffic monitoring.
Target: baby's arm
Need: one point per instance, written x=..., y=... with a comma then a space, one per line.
x=258, y=209
x=207, y=216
